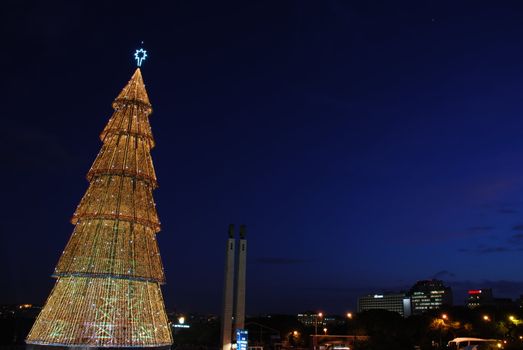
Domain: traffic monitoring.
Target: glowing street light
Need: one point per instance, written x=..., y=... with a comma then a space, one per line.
x=349, y=314
x=325, y=331
x=486, y=318
x=320, y=315
x=445, y=316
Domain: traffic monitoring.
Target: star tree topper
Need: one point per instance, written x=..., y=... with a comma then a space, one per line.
x=140, y=55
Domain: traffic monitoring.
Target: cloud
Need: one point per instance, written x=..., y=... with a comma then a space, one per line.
x=443, y=274
x=480, y=229
x=499, y=249
x=513, y=243
x=516, y=239
x=28, y=147
x=358, y=291
x=481, y=249
x=361, y=290
x=503, y=207
x=281, y=261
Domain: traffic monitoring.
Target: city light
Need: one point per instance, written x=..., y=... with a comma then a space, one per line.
x=515, y=320
x=486, y=318
x=472, y=292
x=349, y=314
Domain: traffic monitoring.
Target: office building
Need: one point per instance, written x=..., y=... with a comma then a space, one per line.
x=429, y=295
x=479, y=297
x=310, y=318
x=396, y=302
x=484, y=297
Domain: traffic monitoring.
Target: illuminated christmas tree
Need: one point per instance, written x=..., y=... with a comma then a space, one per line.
x=107, y=292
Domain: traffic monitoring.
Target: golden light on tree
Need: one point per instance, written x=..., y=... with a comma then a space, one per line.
x=107, y=292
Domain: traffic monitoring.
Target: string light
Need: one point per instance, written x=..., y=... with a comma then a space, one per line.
x=107, y=292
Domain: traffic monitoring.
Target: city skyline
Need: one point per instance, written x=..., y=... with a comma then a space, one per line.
x=366, y=146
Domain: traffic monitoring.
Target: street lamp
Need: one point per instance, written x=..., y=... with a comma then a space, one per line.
x=444, y=317
x=349, y=317
x=325, y=331
x=486, y=318
x=320, y=315
x=293, y=338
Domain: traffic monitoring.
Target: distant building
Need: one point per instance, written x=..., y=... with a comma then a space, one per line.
x=479, y=297
x=429, y=295
x=334, y=320
x=310, y=318
x=484, y=297
x=396, y=302
x=12, y=311
x=504, y=303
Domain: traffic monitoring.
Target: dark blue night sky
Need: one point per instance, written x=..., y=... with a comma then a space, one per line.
x=366, y=145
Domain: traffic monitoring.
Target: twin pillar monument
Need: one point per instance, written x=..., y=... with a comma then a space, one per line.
x=234, y=289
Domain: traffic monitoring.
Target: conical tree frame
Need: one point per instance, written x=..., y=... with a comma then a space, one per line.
x=107, y=292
